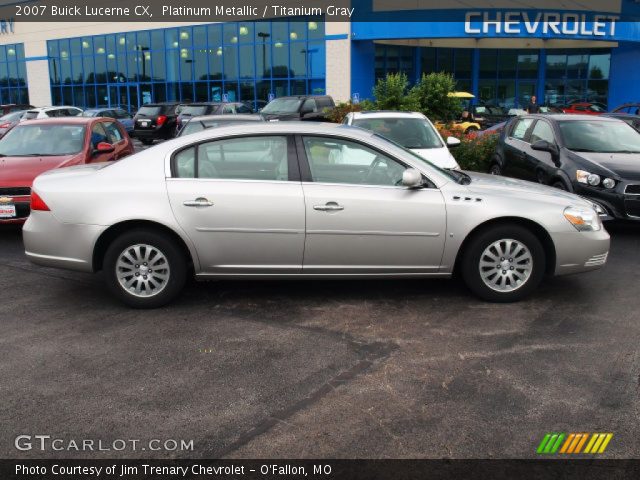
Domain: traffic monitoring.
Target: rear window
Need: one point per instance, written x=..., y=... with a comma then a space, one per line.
x=194, y=110
x=149, y=110
x=89, y=113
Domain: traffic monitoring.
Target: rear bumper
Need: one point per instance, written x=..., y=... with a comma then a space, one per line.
x=51, y=243
x=580, y=251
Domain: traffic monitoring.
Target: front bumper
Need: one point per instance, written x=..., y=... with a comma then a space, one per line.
x=51, y=243
x=616, y=202
x=580, y=251
x=23, y=208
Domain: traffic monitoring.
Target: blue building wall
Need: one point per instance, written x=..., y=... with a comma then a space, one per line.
x=369, y=26
x=624, y=82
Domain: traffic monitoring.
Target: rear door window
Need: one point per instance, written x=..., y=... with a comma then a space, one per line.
x=520, y=128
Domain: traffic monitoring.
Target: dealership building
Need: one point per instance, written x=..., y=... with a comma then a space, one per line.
x=502, y=55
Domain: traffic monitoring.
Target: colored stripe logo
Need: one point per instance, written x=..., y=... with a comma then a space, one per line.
x=574, y=443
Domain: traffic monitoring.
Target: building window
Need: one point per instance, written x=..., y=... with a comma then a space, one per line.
x=13, y=74
x=577, y=76
x=244, y=61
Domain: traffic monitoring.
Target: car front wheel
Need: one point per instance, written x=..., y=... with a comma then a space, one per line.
x=145, y=269
x=504, y=263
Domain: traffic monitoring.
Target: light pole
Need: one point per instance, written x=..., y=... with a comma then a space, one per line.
x=264, y=36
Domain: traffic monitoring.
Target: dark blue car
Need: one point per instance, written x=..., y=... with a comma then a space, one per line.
x=122, y=116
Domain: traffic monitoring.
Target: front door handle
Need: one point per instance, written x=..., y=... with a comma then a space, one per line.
x=198, y=202
x=329, y=207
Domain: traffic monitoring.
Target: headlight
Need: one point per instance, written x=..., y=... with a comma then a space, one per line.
x=608, y=183
x=584, y=220
x=593, y=179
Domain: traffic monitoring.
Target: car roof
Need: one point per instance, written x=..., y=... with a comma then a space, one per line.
x=620, y=115
x=569, y=117
x=301, y=128
x=60, y=120
x=227, y=117
x=387, y=114
x=44, y=109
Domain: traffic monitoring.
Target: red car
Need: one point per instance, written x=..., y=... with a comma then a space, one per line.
x=35, y=146
x=584, y=108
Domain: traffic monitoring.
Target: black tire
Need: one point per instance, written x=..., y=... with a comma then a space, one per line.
x=146, y=141
x=470, y=130
x=495, y=169
x=175, y=259
x=474, y=250
x=560, y=185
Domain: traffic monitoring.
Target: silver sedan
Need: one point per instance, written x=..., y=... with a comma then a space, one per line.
x=295, y=200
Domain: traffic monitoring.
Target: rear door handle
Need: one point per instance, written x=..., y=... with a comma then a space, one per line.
x=198, y=202
x=329, y=207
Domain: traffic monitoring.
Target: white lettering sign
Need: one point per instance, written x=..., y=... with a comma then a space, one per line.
x=516, y=23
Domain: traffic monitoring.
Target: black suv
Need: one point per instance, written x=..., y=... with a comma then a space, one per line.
x=596, y=157
x=200, y=109
x=155, y=121
x=302, y=107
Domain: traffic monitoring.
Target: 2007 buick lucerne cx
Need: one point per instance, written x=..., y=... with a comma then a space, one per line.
x=292, y=200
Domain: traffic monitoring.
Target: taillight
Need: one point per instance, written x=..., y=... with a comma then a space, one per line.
x=5, y=125
x=161, y=119
x=37, y=203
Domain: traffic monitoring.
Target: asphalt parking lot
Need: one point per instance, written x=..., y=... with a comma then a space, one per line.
x=366, y=369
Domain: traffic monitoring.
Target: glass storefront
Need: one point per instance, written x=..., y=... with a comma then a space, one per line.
x=244, y=61
x=507, y=78
x=13, y=74
x=577, y=75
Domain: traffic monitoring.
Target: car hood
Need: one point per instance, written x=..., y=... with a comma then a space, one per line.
x=485, y=183
x=440, y=157
x=20, y=171
x=626, y=165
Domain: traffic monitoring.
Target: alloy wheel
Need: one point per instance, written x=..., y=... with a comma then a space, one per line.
x=142, y=270
x=506, y=265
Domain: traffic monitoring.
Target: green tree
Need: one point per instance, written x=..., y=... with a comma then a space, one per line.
x=431, y=94
x=391, y=93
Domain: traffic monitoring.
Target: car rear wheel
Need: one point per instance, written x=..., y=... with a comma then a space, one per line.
x=145, y=269
x=503, y=264
x=495, y=169
x=471, y=130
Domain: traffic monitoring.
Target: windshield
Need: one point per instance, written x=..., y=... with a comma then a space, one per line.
x=90, y=113
x=408, y=132
x=599, y=136
x=43, y=140
x=283, y=105
x=194, y=110
x=451, y=174
x=150, y=111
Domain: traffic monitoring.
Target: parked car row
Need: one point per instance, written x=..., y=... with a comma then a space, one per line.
x=597, y=157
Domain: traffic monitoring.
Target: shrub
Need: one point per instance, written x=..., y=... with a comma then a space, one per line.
x=475, y=151
x=431, y=94
x=391, y=93
x=337, y=113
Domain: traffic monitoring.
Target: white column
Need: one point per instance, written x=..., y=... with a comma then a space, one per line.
x=38, y=81
x=338, y=68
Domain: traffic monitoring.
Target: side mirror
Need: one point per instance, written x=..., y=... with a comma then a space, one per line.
x=412, y=178
x=453, y=142
x=104, y=147
x=544, y=146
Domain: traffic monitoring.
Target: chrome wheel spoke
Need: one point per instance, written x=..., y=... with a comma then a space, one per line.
x=505, y=265
x=142, y=270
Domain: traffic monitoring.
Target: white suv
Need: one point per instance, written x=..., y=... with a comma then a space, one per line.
x=48, y=112
x=412, y=130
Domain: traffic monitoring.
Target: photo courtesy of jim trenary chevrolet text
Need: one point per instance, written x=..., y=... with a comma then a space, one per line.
x=323, y=239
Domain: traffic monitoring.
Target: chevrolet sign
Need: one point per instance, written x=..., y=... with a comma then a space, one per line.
x=515, y=23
